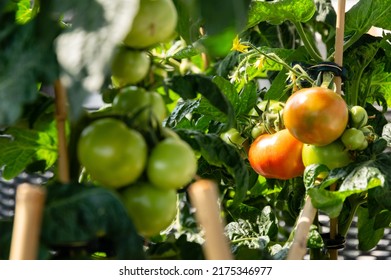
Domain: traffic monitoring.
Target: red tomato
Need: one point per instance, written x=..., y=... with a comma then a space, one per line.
x=277, y=155
x=316, y=115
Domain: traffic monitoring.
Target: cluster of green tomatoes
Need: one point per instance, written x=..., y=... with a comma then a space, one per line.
x=127, y=149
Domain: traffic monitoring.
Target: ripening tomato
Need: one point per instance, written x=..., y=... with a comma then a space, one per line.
x=277, y=155
x=316, y=115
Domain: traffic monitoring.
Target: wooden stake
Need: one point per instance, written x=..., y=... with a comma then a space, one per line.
x=298, y=248
x=339, y=40
x=29, y=205
x=61, y=117
x=204, y=197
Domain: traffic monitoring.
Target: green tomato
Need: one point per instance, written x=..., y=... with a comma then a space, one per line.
x=129, y=67
x=258, y=130
x=353, y=138
x=142, y=105
x=111, y=153
x=151, y=209
x=358, y=117
x=363, y=146
x=232, y=137
x=172, y=164
x=169, y=133
x=333, y=155
x=154, y=23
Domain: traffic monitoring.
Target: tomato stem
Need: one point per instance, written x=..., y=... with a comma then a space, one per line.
x=298, y=71
x=355, y=202
x=307, y=44
x=327, y=80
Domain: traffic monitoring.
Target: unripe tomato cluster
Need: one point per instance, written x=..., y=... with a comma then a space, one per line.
x=129, y=151
x=154, y=23
x=321, y=126
x=146, y=175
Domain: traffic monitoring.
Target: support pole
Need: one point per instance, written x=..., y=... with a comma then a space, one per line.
x=204, y=197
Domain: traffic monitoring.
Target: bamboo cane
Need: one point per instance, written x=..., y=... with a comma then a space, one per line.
x=339, y=40
x=298, y=247
x=204, y=197
x=27, y=222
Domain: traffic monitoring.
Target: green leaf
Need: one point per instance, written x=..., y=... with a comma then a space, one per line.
x=254, y=235
x=24, y=12
x=312, y=172
x=315, y=240
x=248, y=98
x=368, y=236
x=367, y=13
x=382, y=220
x=242, y=102
x=188, y=19
x=187, y=52
x=218, y=153
x=380, y=198
x=181, y=110
x=189, y=86
x=85, y=50
x=6, y=227
x=275, y=12
x=78, y=214
x=27, y=59
x=329, y=202
x=386, y=134
x=220, y=44
x=361, y=178
x=20, y=147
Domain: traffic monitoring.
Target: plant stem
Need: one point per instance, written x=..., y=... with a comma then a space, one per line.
x=275, y=58
x=307, y=44
x=61, y=117
x=356, y=202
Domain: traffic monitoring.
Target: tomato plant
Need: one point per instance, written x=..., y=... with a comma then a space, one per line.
x=277, y=155
x=151, y=209
x=316, y=115
x=111, y=153
x=127, y=99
